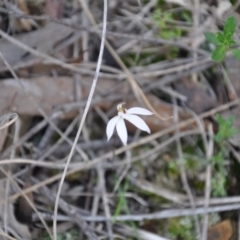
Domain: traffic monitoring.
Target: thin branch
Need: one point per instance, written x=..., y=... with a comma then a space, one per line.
x=167, y=213
x=83, y=118
x=208, y=182
x=183, y=174
x=102, y=186
x=9, y=171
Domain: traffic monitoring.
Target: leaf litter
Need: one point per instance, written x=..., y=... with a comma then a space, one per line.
x=157, y=186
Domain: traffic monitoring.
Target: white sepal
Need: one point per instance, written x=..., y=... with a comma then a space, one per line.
x=111, y=126
x=140, y=111
x=138, y=122
x=122, y=130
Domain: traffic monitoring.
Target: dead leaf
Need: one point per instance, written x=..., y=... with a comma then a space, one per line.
x=23, y=6
x=48, y=92
x=21, y=24
x=41, y=89
x=42, y=40
x=221, y=231
x=3, y=136
x=197, y=98
x=54, y=8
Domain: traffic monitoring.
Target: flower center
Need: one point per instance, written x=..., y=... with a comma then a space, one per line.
x=120, y=109
x=120, y=114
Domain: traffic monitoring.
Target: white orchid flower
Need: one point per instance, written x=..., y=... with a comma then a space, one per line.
x=119, y=123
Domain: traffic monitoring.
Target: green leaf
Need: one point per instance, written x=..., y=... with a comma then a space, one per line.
x=228, y=37
x=217, y=159
x=232, y=42
x=226, y=129
x=219, y=53
x=212, y=38
x=220, y=37
x=229, y=27
x=220, y=119
x=236, y=53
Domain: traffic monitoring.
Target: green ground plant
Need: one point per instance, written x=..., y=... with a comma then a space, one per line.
x=183, y=228
x=218, y=161
x=165, y=31
x=224, y=41
x=123, y=206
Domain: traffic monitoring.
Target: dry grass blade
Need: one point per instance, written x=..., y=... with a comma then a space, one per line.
x=7, y=120
x=208, y=182
x=6, y=236
x=102, y=186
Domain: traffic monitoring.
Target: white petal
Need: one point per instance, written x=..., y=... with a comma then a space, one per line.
x=138, y=122
x=140, y=111
x=122, y=130
x=111, y=125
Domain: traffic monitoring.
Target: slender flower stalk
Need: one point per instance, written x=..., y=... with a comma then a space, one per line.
x=129, y=115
